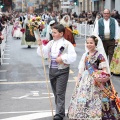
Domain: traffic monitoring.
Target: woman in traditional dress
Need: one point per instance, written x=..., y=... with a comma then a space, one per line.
x=16, y=29
x=68, y=35
x=29, y=34
x=49, y=30
x=115, y=63
x=94, y=97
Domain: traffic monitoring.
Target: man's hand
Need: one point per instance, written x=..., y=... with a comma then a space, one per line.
x=59, y=60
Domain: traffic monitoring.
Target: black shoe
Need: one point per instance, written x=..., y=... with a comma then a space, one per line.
x=29, y=46
x=57, y=117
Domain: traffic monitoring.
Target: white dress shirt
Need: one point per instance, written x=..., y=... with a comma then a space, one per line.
x=107, y=28
x=53, y=48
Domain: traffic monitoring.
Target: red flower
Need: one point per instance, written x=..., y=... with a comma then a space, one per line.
x=45, y=42
x=33, y=19
x=22, y=30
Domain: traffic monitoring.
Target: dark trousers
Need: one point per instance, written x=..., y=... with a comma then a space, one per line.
x=59, y=79
x=109, y=46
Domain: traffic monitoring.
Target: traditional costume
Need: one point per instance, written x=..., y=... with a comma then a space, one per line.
x=16, y=32
x=68, y=35
x=115, y=63
x=29, y=36
x=58, y=73
x=49, y=30
x=89, y=101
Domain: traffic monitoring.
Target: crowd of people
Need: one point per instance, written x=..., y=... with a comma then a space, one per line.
x=94, y=96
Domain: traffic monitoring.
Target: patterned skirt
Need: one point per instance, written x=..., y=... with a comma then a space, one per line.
x=89, y=103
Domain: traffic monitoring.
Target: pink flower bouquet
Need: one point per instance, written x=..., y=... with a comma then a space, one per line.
x=100, y=78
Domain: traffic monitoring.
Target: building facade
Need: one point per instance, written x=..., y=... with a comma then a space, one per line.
x=100, y=5
x=56, y=5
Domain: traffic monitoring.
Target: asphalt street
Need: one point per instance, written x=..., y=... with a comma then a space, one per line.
x=23, y=88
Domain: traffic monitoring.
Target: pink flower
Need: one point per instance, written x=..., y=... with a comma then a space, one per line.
x=33, y=19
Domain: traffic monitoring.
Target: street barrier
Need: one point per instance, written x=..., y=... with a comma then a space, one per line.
x=85, y=29
x=3, y=44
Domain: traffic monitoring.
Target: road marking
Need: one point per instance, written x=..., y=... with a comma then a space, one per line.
x=5, y=58
x=3, y=80
x=6, y=54
x=31, y=82
x=20, y=112
x=31, y=116
x=5, y=63
x=7, y=50
x=34, y=115
x=34, y=95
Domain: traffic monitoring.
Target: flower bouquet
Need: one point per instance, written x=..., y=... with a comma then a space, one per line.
x=35, y=24
x=100, y=77
x=75, y=32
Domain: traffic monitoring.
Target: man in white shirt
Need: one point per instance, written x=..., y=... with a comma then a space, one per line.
x=108, y=30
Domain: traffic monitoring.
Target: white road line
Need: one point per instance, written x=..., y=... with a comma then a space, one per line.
x=3, y=80
x=20, y=112
x=5, y=58
x=29, y=82
x=6, y=54
x=34, y=95
x=7, y=45
x=5, y=63
x=33, y=116
x=30, y=116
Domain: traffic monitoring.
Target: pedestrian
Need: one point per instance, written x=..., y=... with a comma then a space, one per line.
x=115, y=63
x=28, y=38
x=92, y=96
x=108, y=30
x=65, y=21
x=16, y=32
x=61, y=53
x=51, y=17
x=49, y=30
x=22, y=18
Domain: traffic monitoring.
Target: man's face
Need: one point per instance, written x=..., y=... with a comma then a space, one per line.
x=106, y=14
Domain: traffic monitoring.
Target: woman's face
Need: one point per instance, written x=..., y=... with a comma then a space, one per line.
x=90, y=44
x=66, y=19
x=56, y=35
